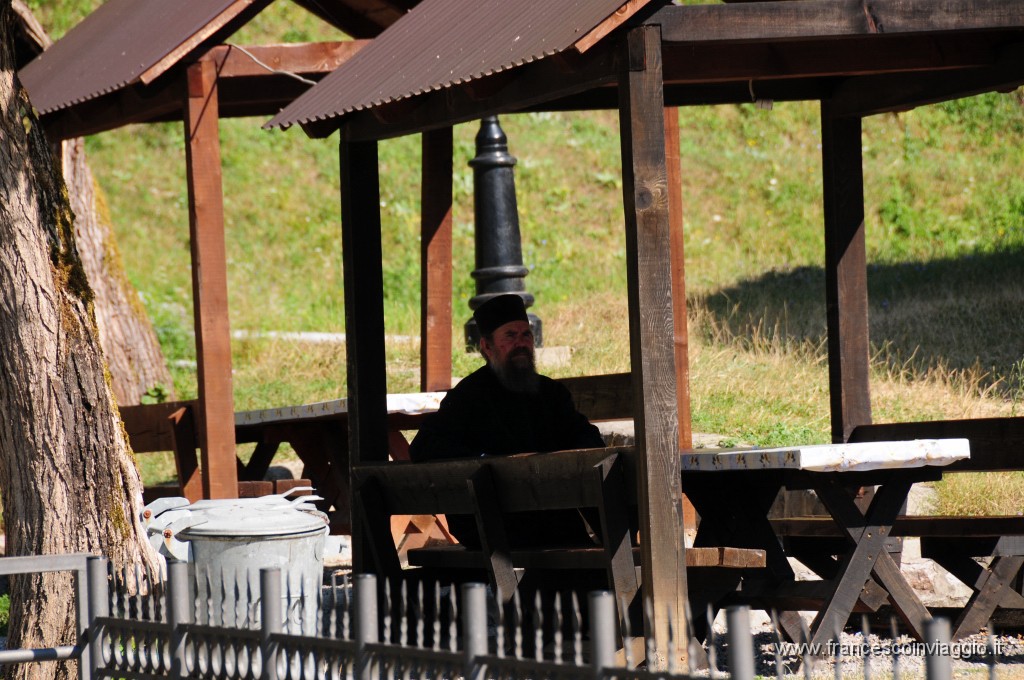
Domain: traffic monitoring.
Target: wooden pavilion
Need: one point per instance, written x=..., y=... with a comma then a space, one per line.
x=148, y=61
x=445, y=63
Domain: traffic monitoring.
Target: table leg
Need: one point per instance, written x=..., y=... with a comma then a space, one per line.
x=868, y=532
x=993, y=588
x=736, y=515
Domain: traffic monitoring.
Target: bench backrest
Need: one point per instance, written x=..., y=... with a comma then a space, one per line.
x=149, y=426
x=540, y=481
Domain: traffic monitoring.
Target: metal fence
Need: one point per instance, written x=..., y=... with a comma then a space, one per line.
x=360, y=633
x=138, y=626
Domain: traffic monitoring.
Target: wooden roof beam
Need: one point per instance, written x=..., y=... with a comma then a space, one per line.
x=769, y=61
x=234, y=61
x=133, y=104
x=870, y=95
x=781, y=20
x=236, y=14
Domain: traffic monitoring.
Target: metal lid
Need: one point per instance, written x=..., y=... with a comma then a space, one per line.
x=275, y=515
x=231, y=520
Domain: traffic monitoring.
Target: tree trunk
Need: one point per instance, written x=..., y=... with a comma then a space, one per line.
x=67, y=476
x=137, y=365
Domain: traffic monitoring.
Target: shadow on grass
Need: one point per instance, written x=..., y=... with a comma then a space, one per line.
x=958, y=314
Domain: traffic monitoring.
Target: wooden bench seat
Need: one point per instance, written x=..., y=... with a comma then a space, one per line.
x=953, y=542
x=937, y=526
x=578, y=558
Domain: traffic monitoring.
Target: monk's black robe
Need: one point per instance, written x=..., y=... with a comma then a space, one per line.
x=479, y=417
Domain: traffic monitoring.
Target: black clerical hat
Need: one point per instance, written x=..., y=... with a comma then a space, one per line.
x=498, y=311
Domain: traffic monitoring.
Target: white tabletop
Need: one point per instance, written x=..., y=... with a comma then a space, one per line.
x=857, y=457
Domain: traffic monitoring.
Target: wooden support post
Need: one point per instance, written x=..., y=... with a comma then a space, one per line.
x=651, y=335
x=364, y=322
x=846, y=288
x=675, y=215
x=215, y=410
x=436, y=262
x=682, y=333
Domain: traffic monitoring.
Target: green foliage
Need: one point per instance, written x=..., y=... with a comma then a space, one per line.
x=5, y=613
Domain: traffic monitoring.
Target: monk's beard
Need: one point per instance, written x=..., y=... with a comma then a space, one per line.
x=518, y=373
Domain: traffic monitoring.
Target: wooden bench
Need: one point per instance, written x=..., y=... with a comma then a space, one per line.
x=170, y=427
x=491, y=489
x=951, y=541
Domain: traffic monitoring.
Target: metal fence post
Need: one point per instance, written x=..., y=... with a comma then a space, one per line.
x=98, y=605
x=474, y=628
x=270, y=619
x=179, y=615
x=741, y=643
x=364, y=592
x=602, y=631
x=937, y=663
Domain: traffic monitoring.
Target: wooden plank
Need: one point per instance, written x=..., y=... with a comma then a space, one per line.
x=364, y=302
x=285, y=485
x=148, y=426
x=215, y=412
x=679, y=313
x=602, y=397
x=436, y=261
x=818, y=18
x=254, y=61
x=459, y=557
x=845, y=274
x=183, y=435
x=132, y=104
x=827, y=57
x=523, y=482
x=796, y=596
x=681, y=332
x=261, y=458
x=619, y=17
x=870, y=95
x=615, y=534
x=236, y=13
x=649, y=276
x=996, y=443
x=983, y=603
x=364, y=321
x=869, y=533
x=255, y=489
x=932, y=526
x=378, y=553
x=490, y=527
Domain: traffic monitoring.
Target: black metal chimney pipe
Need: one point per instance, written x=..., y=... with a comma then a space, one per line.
x=499, y=253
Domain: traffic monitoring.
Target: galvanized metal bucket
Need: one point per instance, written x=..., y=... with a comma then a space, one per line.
x=226, y=542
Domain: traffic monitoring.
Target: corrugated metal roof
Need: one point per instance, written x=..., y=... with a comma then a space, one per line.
x=115, y=45
x=441, y=43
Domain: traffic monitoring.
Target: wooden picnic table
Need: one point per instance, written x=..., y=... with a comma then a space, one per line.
x=318, y=433
x=733, y=490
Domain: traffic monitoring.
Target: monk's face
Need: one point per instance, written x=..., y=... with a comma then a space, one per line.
x=510, y=352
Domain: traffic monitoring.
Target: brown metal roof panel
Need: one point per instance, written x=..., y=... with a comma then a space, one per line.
x=445, y=42
x=116, y=44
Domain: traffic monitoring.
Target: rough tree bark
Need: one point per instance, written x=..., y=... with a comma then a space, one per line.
x=67, y=476
x=137, y=365
x=132, y=351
